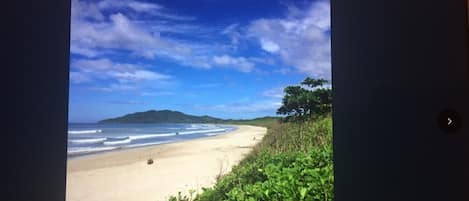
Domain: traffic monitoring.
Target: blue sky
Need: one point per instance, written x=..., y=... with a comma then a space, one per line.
x=207, y=57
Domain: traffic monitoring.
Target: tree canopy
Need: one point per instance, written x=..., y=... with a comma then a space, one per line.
x=306, y=100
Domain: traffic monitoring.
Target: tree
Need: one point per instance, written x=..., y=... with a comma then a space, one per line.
x=310, y=82
x=306, y=101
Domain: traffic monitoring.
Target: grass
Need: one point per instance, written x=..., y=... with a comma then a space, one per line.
x=263, y=121
x=292, y=162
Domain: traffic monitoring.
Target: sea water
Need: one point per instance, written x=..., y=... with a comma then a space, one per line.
x=90, y=138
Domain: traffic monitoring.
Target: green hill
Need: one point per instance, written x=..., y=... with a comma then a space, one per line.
x=161, y=116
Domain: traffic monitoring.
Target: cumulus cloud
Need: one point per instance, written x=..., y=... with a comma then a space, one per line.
x=301, y=39
x=85, y=70
x=93, y=34
x=240, y=63
x=269, y=46
x=143, y=7
x=91, y=31
x=118, y=34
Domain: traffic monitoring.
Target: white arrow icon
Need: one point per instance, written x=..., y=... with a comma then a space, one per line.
x=449, y=121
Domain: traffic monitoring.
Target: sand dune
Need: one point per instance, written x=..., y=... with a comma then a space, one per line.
x=125, y=176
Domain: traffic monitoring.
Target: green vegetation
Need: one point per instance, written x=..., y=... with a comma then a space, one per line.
x=168, y=116
x=162, y=116
x=263, y=121
x=293, y=162
x=303, y=102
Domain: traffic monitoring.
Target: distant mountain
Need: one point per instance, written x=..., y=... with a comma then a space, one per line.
x=161, y=116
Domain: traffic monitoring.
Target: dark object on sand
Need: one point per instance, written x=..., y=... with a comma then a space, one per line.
x=150, y=161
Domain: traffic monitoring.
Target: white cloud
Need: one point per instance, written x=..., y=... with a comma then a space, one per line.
x=92, y=65
x=160, y=93
x=83, y=51
x=121, y=34
x=82, y=10
x=278, y=92
x=126, y=102
x=91, y=69
x=143, y=6
x=176, y=17
x=209, y=85
x=178, y=28
x=269, y=46
x=137, y=75
x=301, y=39
x=233, y=31
x=263, y=60
x=117, y=32
x=274, y=92
x=115, y=87
x=244, y=107
x=240, y=63
x=134, y=5
x=230, y=28
x=283, y=71
x=79, y=77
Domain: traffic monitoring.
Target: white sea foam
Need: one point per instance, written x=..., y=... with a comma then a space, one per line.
x=149, y=136
x=85, y=131
x=211, y=134
x=88, y=140
x=148, y=144
x=87, y=150
x=201, y=126
x=203, y=131
x=118, y=142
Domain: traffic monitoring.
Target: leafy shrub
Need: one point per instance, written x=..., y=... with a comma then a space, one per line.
x=293, y=162
x=181, y=197
x=298, y=136
x=288, y=176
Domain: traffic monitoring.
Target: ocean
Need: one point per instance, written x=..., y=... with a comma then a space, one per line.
x=92, y=138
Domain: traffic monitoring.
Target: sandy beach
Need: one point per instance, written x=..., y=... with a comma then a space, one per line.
x=124, y=175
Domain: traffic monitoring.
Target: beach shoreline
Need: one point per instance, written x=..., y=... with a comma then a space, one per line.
x=93, y=154
x=178, y=167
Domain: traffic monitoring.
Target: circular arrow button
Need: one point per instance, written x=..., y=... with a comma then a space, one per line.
x=449, y=121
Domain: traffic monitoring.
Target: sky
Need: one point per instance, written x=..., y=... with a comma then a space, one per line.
x=226, y=59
